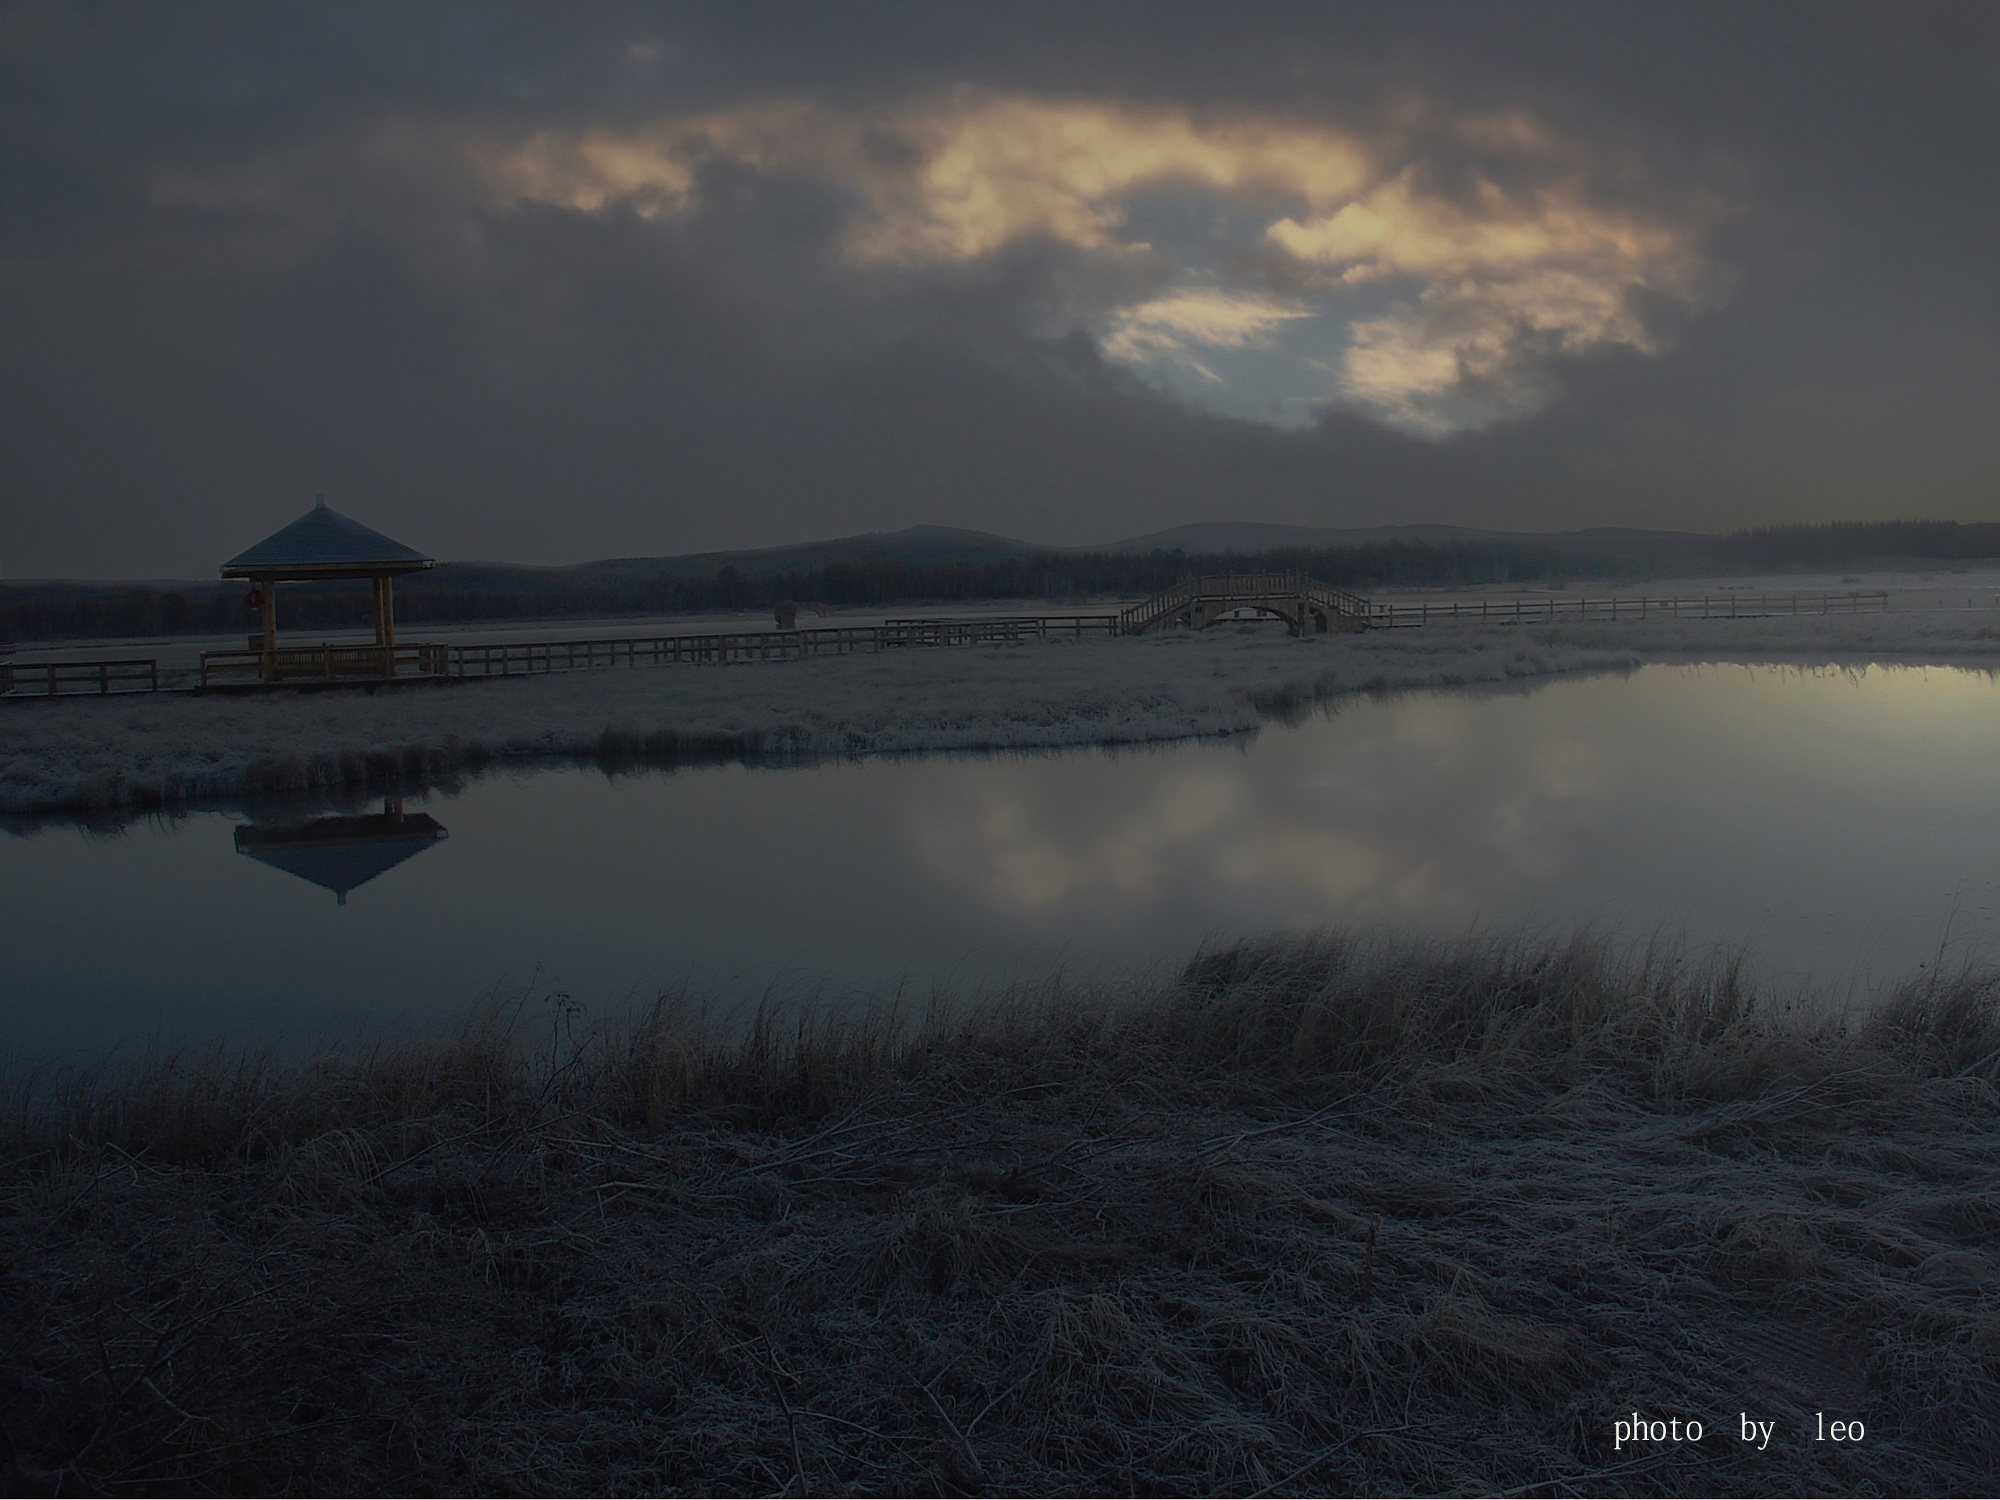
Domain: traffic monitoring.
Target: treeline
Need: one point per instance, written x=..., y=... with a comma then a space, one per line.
x=75, y=611
x=1840, y=544
x=455, y=593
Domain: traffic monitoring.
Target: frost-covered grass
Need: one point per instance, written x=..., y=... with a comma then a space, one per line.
x=1317, y=1216
x=170, y=749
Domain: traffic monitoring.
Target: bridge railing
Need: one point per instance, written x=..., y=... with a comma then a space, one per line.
x=1338, y=600
x=1148, y=611
x=1252, y=585
x=1240, y=587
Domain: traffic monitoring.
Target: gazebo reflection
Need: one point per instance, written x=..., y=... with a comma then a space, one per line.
x=345, y=852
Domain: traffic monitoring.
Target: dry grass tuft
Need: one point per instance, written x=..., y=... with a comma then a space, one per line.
x=1319, y=1214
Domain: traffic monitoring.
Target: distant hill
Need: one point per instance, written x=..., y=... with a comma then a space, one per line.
x=1222, y=537
x=1247, y=538
x=925, y=547
x=916, y=546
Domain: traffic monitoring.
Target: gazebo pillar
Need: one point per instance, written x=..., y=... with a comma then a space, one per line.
x=269, y=615
x=385, y=622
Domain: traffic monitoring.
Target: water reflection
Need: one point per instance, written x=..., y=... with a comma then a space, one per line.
x=1838, y=820
x=342, y=853
x=1834, y=818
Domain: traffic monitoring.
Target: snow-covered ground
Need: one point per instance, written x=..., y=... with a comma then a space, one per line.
x=167, y=749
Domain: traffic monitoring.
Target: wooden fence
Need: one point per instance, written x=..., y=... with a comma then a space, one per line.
x=326, y=662
x=508, y=660
x=52, y=679
x=1549, y=611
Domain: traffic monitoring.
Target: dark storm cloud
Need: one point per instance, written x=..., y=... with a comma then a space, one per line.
x=523, y=283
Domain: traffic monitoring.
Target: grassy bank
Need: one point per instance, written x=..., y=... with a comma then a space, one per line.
x=1314, y=1215
x=167, y=750
x=121, y=756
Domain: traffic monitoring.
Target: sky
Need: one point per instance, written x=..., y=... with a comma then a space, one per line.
x=552, y=283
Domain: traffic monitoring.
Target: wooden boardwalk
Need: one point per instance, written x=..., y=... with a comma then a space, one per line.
x=1518, y=611
x=1307, y=607
x=765, y=645
x=1311, y=607
x=306, y=664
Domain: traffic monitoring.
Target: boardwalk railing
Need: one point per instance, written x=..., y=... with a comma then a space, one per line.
x=1731, y=606
x=327, y=662
x=514, y=659
x=355, y=663
x=53, y=679
x=1194, y=596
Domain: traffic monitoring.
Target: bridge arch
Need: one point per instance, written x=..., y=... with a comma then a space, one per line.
x=1307, y=606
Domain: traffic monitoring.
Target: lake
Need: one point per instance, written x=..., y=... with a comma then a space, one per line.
x=1844, y=824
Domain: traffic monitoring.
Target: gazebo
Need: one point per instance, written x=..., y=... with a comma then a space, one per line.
x=323, y=545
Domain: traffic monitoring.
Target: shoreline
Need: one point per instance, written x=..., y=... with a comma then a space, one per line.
x=143, y=753
x=1327, y=1215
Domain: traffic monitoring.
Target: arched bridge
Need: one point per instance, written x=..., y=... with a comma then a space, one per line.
x=1308, y=606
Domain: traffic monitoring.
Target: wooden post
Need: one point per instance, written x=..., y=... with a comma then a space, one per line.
x=268, y=623
x=389, y=625
x=381, y=644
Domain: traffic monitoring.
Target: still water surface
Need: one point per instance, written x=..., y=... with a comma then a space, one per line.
x=1843, y=823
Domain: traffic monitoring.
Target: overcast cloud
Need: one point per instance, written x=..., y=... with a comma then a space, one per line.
x=548, y=284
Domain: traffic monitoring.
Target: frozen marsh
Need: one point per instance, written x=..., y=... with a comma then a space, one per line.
x=170, y=749
x=1321, y=1216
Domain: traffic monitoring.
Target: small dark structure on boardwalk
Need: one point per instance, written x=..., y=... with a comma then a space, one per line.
x=1305, y=604
x=323, y=545
x=342, y=853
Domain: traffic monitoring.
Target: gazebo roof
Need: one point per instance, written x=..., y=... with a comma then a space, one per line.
x=325, y=541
